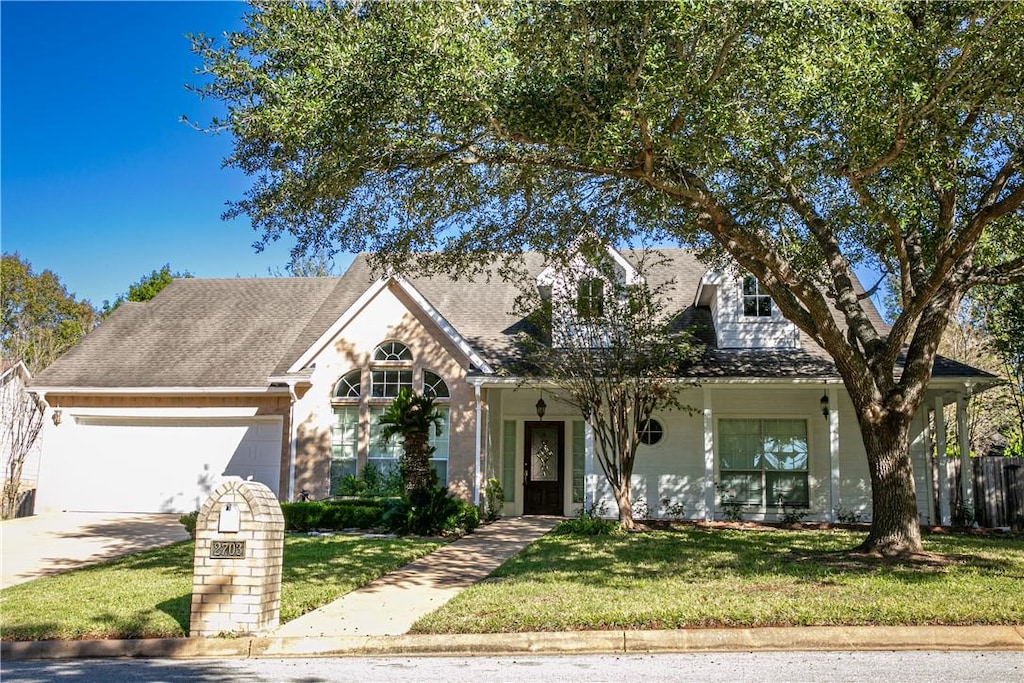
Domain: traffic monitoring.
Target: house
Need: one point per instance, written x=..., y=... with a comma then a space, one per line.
x=20, y=445
x=283, y=380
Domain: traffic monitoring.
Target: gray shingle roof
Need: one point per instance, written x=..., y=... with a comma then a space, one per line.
x=195, y=333
x=239, y=332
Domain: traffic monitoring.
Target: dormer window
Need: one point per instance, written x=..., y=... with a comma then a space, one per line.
x=590, y=298
x=756, y=302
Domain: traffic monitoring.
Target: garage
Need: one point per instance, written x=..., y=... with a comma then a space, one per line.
x=107, y=464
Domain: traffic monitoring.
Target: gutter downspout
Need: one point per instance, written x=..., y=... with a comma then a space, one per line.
x=291, y=439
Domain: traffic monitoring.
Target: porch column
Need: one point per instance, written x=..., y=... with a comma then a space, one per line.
x=966, y=473
x=945, y=516
x=833, y=451
x=589, y=478
x=709, y=457
x=926, y=434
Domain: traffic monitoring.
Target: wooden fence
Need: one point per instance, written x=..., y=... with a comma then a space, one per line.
x=998, y=491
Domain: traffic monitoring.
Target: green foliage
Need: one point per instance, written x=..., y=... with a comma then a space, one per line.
x=333, y=515
x=1004, y=321
x=432, y=512
x=793, y=515
x=411, y=416
x=588, y=522
x=494, y=495
x=847, y=516
x=371, y=482
x=41, y=320
x=732, y=509
x=145, y=289
x=188, y=521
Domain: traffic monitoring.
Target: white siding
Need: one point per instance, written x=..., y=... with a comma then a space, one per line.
x=737, y=331
x=854, y=477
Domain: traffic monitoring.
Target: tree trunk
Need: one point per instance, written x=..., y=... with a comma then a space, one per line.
x=416, y=468
x=622, y=499
x=895, y=528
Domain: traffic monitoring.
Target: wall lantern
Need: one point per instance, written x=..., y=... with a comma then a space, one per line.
x=57, y=416
x=541, y=407
x=824, y=405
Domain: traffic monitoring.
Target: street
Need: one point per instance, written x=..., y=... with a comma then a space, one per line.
x=833, y=667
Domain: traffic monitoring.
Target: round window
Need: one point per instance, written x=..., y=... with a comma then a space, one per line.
x=651, y=432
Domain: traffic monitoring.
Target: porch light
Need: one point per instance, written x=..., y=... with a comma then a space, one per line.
x=541, y=407
x=57, y=416
x=824, y=405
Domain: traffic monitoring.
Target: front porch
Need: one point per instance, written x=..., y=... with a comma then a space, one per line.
x=767, y=449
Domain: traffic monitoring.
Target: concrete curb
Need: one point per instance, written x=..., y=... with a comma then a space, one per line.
x=810, y=638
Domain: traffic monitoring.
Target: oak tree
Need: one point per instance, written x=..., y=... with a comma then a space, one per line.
x=802, y=139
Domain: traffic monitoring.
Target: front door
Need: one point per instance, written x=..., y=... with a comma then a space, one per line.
x=544, y=461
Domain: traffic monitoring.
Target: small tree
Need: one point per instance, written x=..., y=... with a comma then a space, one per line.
x=41, y=320
x=147, y=287
x=613, y=352
x=1005, y=323
x=22, y=417
x=411, y=417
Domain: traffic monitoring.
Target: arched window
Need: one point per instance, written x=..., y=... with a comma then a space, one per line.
x=392, y=351
x=348, y=385
x=355, y=437
x=345, y=429
x=434, y=386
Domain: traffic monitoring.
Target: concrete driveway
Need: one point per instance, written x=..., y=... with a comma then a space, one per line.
x=53, y=543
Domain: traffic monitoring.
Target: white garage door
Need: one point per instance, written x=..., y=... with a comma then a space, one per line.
x=158, y=465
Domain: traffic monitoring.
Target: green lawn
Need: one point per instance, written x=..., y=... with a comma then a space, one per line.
x=693, y=577
x=150, y=594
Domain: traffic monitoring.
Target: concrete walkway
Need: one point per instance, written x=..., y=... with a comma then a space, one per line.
x=390, y=605
x=47, y=544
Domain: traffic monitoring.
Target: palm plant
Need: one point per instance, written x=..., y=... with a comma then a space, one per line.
x=411, y=416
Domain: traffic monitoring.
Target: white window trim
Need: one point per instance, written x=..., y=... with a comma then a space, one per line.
x=766, y=507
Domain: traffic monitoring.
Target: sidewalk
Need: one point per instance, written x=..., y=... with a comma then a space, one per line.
x=390, y=605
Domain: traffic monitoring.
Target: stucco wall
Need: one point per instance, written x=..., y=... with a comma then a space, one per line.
x=390, y=316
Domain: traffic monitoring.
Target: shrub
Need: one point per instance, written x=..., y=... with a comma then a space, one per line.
x=495, y=497
x=373, y=482
x=845, y=516
x=432, y=512
x=353, y=513
x=189, y=522
x=588, y=522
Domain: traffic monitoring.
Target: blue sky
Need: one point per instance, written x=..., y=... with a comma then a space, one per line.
x=101, y=183
x=99, y=180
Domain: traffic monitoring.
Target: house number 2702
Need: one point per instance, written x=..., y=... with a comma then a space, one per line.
x=227, y=550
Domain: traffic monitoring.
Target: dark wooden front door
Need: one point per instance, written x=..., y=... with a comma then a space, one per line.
x=544, y=460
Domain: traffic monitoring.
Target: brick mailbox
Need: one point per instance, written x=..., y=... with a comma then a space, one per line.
x=236, y=585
